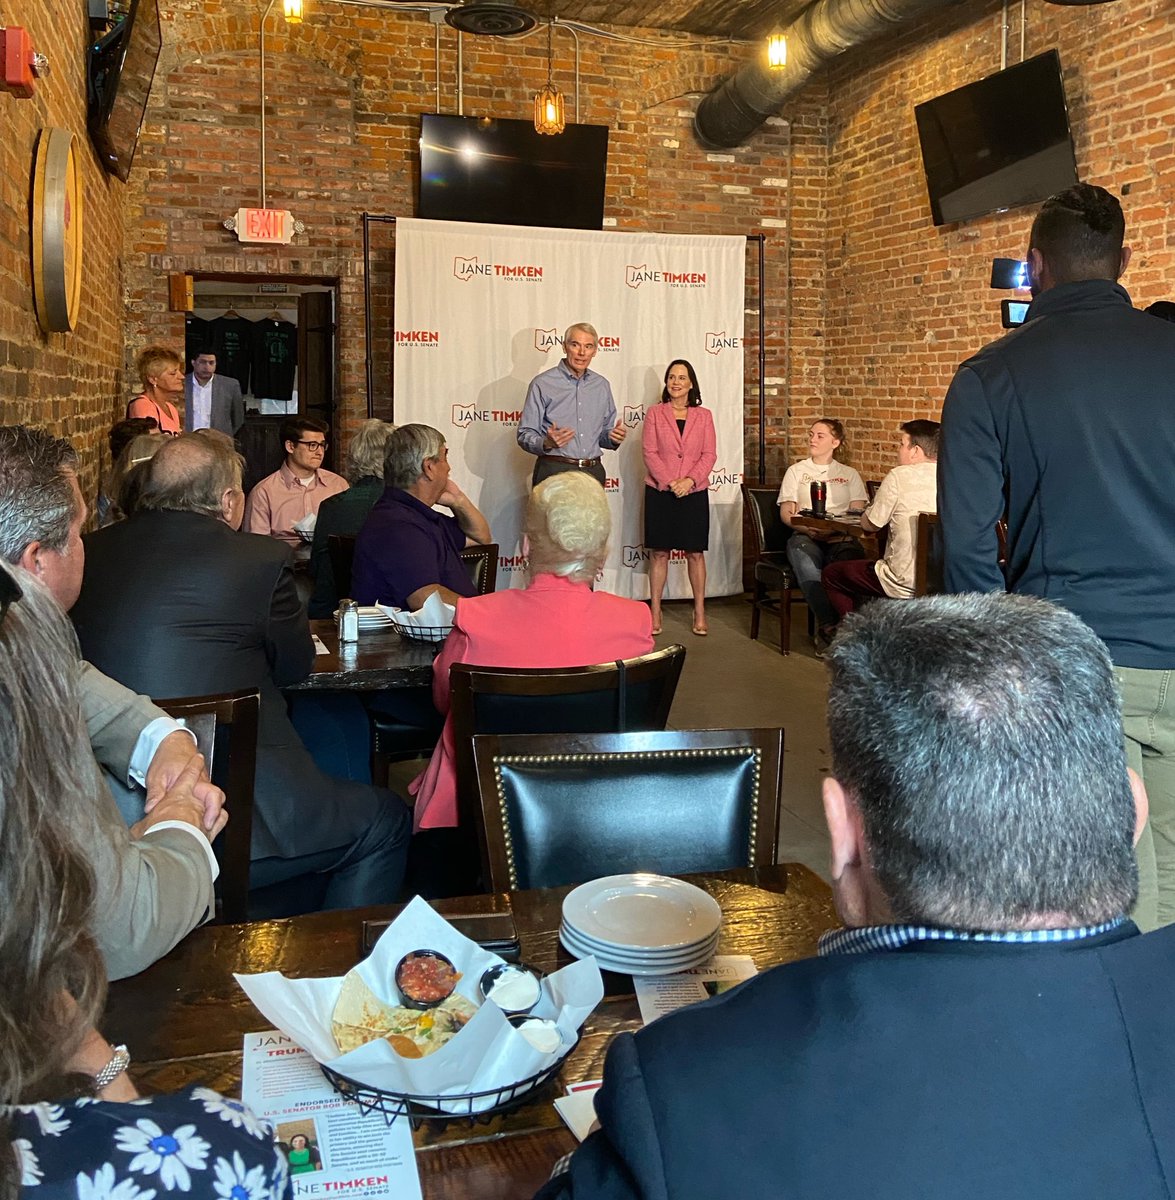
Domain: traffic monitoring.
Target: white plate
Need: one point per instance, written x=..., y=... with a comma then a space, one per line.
x=642, y=911
x=624, y=968
x=626, y=951
x=570, y=938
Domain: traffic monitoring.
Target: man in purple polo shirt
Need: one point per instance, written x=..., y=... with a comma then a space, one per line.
x=407, y=550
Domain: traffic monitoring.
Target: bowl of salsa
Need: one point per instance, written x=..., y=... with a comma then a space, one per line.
x=425, y=978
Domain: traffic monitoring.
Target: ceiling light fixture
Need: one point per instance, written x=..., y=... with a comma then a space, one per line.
x=549, y=116
x=776, y=49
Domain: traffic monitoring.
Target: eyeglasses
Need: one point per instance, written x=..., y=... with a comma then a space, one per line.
x=10, y=593
x=314, y=445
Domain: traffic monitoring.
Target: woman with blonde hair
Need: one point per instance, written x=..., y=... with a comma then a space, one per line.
x=162, y=373
x=556, y=621
x=80, y=1128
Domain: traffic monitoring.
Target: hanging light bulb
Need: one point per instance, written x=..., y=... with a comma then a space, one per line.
x=549, y=116
x=293, y=11
x=776, y=49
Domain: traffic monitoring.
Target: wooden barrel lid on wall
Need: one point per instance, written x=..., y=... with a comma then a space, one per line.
x=57, y=232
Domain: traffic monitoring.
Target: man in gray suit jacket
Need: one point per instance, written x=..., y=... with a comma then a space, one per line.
x=211, y=401
x=155, y=878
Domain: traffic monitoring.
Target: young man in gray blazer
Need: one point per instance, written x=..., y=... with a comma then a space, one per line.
x=212, y=401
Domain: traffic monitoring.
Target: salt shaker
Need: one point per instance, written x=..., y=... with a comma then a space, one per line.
x=348, y=621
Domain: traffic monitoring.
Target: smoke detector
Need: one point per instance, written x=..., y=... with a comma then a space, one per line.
x=490, y=18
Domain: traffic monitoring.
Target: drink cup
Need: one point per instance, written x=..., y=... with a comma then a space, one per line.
x=819, y=497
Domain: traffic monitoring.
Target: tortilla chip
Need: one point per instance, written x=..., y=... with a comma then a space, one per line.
x=360, y=1017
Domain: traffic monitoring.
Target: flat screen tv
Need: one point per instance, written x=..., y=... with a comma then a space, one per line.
x=997, y=143
x=503, y=172
x=120, y=71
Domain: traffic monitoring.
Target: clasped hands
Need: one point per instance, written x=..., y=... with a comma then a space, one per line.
x=559, y=435
x=178, y=789
x=681, y=487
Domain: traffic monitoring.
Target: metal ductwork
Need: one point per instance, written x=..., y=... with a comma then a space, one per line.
x=739, y=105
x=490, y=18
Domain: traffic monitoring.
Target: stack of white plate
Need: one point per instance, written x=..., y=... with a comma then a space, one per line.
x=371, y=617
x=641, y=924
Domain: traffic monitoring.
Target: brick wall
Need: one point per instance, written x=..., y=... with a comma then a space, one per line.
x=70, y=383
x=907, y=302
x=345, y=92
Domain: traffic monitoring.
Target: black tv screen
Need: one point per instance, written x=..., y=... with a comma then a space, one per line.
x=503, y=172
x=997, y=143
x=121, y=70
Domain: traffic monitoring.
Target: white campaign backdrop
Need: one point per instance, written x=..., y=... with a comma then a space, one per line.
x=479, y=310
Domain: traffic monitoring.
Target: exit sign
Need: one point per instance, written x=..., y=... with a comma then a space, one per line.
x=265, y=225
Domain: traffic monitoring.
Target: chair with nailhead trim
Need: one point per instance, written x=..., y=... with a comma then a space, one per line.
x=564, y=808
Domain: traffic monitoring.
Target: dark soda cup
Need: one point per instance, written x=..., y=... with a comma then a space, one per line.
x=819, y=497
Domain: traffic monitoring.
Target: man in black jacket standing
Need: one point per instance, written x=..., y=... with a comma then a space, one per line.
x=176, y=601
x=1067, y=426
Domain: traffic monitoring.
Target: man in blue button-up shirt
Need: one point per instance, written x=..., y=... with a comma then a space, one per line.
x=569, y=415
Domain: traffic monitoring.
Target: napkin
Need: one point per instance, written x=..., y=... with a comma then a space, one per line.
x=488, y=1054
x=304, y=526
x=435, y=614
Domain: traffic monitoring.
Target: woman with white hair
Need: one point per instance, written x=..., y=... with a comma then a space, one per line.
x=557, y=621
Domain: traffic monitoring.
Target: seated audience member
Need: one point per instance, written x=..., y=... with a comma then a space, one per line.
x=557, y=621
x=406, y=550
x=990, y=1023
x=154, y=881
x=345, y=513
x=130, y=470
x=120, y=435
x=51, y=878
x=223, y=614
x=297, y=487
x=909, y=489
x=162, y=373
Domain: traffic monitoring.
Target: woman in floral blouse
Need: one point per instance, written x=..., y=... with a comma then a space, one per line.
x=71, y=1122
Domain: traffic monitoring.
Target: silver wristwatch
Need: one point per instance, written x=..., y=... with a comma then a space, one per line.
x=113, y=1069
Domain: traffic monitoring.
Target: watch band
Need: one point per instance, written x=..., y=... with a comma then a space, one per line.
x=113, y=1069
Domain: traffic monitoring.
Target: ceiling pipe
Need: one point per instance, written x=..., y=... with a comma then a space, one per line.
x=739, y=105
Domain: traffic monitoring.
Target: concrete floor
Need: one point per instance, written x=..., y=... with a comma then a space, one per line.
x=731, y=682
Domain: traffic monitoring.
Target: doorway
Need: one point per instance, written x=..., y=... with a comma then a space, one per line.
x=276, y=336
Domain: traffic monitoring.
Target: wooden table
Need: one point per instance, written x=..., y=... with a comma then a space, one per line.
x=184, y=1018
x=839, y=527
x=380, y=659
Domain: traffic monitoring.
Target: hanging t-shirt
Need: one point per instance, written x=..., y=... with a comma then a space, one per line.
x=197, y=336
x=275, y=359
x=232, y=340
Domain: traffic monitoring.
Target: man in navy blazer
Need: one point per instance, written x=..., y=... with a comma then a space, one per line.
x=211, y=401
x=989, y=1023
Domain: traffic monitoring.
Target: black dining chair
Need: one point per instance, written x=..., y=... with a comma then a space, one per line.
x=628, y=694
x=564, y=808
x=225, y=728
x=773, y=586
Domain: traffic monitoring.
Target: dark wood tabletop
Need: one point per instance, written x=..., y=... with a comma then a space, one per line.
x=185, y=1017
x=838, y=527
x=380, y=659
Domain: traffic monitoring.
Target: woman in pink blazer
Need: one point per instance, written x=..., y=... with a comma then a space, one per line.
x=679, y=456
x=558, y=621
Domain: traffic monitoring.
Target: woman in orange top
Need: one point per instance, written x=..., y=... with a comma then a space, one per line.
x=162, y=373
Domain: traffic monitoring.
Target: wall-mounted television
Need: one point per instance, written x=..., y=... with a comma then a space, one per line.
x=997, y=143
x=120, y=71
x=501, y=171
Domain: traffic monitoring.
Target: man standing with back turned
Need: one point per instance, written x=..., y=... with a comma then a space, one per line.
x=569, y=415
x=1067, y=425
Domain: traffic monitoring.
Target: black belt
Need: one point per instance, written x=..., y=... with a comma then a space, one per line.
x=574, y=462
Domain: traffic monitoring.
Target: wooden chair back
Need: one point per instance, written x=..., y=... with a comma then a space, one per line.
x=340, y=548
x=928, y=556
x=564, y=808
x=628, y=694
x=225, y=728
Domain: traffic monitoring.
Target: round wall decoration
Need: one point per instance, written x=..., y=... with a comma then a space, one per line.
x=57, y=231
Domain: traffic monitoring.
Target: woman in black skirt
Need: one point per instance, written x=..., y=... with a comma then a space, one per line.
x=679, y=456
